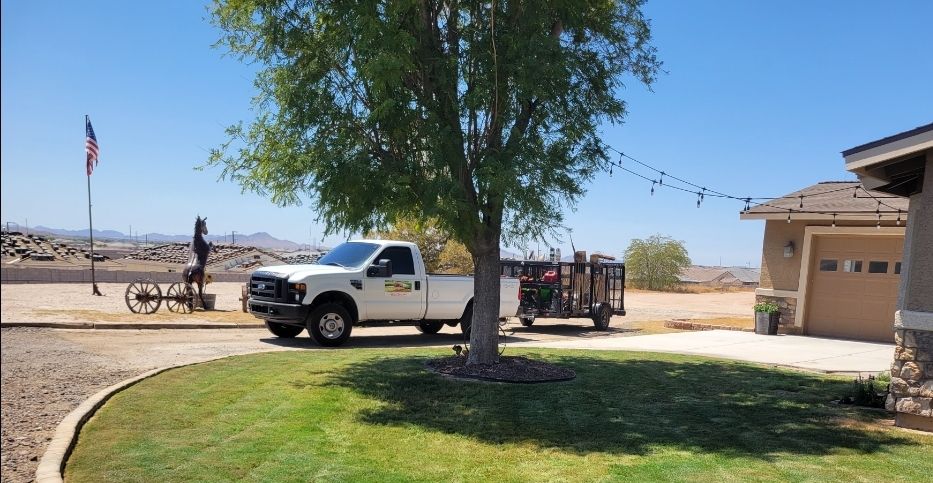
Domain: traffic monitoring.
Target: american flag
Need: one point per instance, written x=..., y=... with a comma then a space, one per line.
x=90, y=145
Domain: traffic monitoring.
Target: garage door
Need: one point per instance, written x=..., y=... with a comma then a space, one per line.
x=853, y=286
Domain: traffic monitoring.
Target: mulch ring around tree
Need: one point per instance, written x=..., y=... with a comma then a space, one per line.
x=509, y=369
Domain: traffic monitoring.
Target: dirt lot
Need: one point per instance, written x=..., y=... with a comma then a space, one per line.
x=47, y=372
x=73, y=302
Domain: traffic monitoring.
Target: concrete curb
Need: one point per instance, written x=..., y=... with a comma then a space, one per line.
x=52, y=464
x=134, y=326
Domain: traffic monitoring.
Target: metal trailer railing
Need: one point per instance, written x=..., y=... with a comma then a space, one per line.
x=575, y=290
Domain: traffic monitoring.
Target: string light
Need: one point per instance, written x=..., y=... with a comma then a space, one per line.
x=898, y=222
x=702, y=192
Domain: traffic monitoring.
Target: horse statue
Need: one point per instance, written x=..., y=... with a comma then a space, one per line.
x=197, y=259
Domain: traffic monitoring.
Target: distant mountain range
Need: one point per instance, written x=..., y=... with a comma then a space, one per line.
x=261, y=239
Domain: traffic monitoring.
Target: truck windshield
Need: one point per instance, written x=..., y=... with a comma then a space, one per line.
x=349, y=255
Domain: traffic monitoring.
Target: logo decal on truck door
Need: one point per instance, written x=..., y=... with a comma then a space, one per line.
x=398, y=287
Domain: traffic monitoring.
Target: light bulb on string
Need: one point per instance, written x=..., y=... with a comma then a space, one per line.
x=834, y=220
x=855, y=192
x=801, y=201
x=898, y=221
x=662, y=179
x=788, y=215
x=878, y=225
x=700, y=197
x=653, y=182
x=747, y=203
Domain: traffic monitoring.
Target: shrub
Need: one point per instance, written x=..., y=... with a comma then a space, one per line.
x=870, y=391
x=767, y=307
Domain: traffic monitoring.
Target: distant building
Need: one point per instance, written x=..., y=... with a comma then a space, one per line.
x=720, y=276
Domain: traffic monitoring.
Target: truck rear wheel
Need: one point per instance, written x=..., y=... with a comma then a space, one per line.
x=602, y=313
x=430, y=326
x=283, y=330
x=330, y=324
x=466, y=321
x=526, y=321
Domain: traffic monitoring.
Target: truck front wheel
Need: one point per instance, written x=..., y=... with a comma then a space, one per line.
x=330, y=324
x=430, y=326
x=283, y=330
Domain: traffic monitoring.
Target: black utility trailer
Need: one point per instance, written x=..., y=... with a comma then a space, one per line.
x=593, y=290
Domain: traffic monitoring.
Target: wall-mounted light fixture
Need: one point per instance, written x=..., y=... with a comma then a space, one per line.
x=789, y=250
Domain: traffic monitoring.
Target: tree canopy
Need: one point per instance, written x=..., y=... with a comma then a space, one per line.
x=482, y=115
x=655, y=263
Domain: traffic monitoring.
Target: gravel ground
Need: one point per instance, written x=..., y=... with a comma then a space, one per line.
x=46, y=373
x=44, y=378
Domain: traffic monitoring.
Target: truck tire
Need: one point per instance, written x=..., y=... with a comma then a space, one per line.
x=466, y=321
x=430, y=326
x=602, y=314
x=330, y=324
x=283, y=330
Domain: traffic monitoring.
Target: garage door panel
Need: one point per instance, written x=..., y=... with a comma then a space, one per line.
x=853, y=304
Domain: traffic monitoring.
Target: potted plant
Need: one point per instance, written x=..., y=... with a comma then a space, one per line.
x=767, y=315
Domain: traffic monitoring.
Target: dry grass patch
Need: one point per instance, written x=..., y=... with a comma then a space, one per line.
x=162, y=315
x=740, y=322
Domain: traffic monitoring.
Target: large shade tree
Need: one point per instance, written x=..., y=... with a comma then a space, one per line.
x=483, y=115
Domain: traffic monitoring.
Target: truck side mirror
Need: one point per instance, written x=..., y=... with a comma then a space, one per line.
x=382, y=269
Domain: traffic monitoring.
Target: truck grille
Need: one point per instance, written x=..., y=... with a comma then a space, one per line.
x=264, y=286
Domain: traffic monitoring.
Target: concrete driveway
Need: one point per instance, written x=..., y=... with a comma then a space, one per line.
x=811, y=353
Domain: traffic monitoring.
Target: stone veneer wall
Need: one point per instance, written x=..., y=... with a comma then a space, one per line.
x=912, y=379
x=788, y=307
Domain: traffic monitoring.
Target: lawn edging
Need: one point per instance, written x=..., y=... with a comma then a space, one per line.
x=52, y=464
x=687, y=325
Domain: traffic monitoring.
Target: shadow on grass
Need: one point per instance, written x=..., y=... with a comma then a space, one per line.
x=632, y=405
x=388, y=341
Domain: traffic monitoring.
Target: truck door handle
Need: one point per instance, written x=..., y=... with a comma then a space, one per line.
x=417, y=285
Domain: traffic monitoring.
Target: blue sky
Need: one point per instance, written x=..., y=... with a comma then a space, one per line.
x=758, y=99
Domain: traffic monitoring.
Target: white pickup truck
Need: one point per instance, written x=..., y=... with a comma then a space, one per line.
x=365, y=281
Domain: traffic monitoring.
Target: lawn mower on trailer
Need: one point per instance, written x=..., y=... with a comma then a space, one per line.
x=592, y=289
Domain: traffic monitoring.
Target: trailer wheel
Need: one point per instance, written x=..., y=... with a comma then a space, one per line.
x=284, y=331
x=430, y=326
x=330, y=324
x=466, y=321
x=526, y=321
x=602, y=314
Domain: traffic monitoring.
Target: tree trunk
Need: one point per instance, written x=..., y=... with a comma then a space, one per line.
x=484, y=337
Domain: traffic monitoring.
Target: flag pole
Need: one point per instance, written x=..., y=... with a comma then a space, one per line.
x=90, y=221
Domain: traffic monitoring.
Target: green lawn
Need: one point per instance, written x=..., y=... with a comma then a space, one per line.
x=378, y=415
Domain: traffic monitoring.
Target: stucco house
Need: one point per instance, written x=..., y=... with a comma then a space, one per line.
x=831, y=259
x=902, y=165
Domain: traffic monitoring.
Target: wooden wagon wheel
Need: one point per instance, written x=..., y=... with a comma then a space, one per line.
x=180, y=298
x=143, y=296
